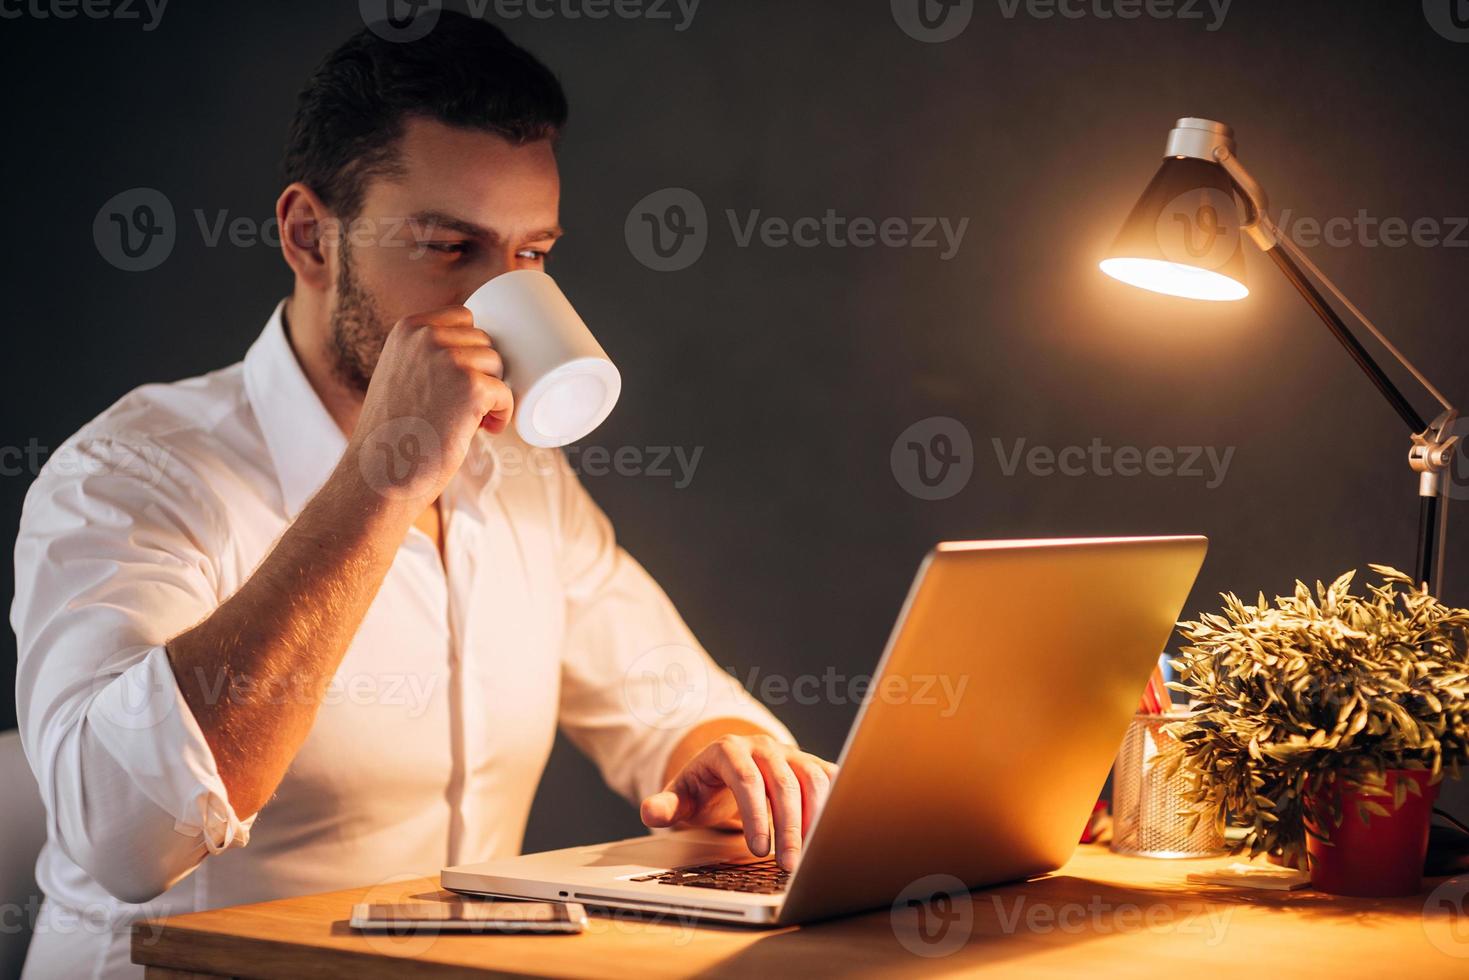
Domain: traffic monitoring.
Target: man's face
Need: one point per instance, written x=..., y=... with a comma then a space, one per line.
x=467, y=207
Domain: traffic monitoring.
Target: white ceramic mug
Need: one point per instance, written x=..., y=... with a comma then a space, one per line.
x=564, y=383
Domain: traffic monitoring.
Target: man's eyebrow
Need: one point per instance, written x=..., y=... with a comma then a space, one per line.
x=446, y=221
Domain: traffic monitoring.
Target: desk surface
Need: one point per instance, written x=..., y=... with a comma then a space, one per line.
x=1100, y=914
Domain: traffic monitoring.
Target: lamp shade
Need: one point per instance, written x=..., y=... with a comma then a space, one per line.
x=1183, y=236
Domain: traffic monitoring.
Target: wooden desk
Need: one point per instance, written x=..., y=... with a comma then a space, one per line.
x=1100, y=915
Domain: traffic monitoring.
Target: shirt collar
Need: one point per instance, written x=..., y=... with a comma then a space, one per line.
x=304, y=441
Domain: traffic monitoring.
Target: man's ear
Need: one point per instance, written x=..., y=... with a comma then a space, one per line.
x=306, y=238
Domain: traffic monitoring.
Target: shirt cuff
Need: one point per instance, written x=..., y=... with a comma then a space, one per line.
x=141, y=719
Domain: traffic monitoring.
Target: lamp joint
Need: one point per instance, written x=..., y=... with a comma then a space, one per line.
x=1433, y=453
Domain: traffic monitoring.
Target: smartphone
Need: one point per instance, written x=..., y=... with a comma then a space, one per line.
x=461, y=916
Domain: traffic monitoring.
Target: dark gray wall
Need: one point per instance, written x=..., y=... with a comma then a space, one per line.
x=795, y=369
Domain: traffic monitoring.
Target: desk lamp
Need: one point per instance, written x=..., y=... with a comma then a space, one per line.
x=1183, y=239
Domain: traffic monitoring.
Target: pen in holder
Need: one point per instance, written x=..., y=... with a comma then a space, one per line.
x=1147, y=808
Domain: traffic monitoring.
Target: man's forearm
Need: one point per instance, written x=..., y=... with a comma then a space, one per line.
x=255, y=672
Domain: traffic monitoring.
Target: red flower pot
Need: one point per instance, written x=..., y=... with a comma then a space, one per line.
x=1378, y=859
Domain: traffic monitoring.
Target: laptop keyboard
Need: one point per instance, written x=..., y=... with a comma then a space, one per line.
x=758, y=878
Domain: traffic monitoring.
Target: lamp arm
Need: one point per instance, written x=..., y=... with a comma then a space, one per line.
x=1263, y=231
x=1434, y=444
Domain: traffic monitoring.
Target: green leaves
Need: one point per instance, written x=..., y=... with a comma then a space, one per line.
x=1320, y=690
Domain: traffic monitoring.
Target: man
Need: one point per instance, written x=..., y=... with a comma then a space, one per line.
x=250, y=668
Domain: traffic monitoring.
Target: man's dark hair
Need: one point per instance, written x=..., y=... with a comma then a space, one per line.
x=463, y=72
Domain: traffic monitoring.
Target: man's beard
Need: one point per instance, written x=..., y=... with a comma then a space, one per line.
x=357, y=329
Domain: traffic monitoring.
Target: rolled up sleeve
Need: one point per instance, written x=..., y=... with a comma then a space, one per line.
x=113, y=559
x=634, y=678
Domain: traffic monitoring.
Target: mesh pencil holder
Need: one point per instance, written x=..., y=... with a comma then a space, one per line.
x=1146, y=806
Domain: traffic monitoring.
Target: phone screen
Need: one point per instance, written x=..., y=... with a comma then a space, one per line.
x=487, y=912
x=470, y=916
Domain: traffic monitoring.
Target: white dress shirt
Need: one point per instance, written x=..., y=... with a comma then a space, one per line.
x=433, y=736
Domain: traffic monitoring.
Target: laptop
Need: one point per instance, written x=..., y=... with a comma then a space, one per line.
x=1048, y=643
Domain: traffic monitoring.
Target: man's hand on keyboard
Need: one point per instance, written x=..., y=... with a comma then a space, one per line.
x=748, y=782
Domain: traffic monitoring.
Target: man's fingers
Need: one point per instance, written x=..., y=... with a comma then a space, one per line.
x=496, y=404
x=815, y=788
x=784, y=790
x=742, y=776
x=485, y=360
x=443, y=316
x=662, y=809
x=460, y=335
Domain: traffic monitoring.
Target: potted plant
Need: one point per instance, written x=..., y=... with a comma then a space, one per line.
x=1325, y=723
